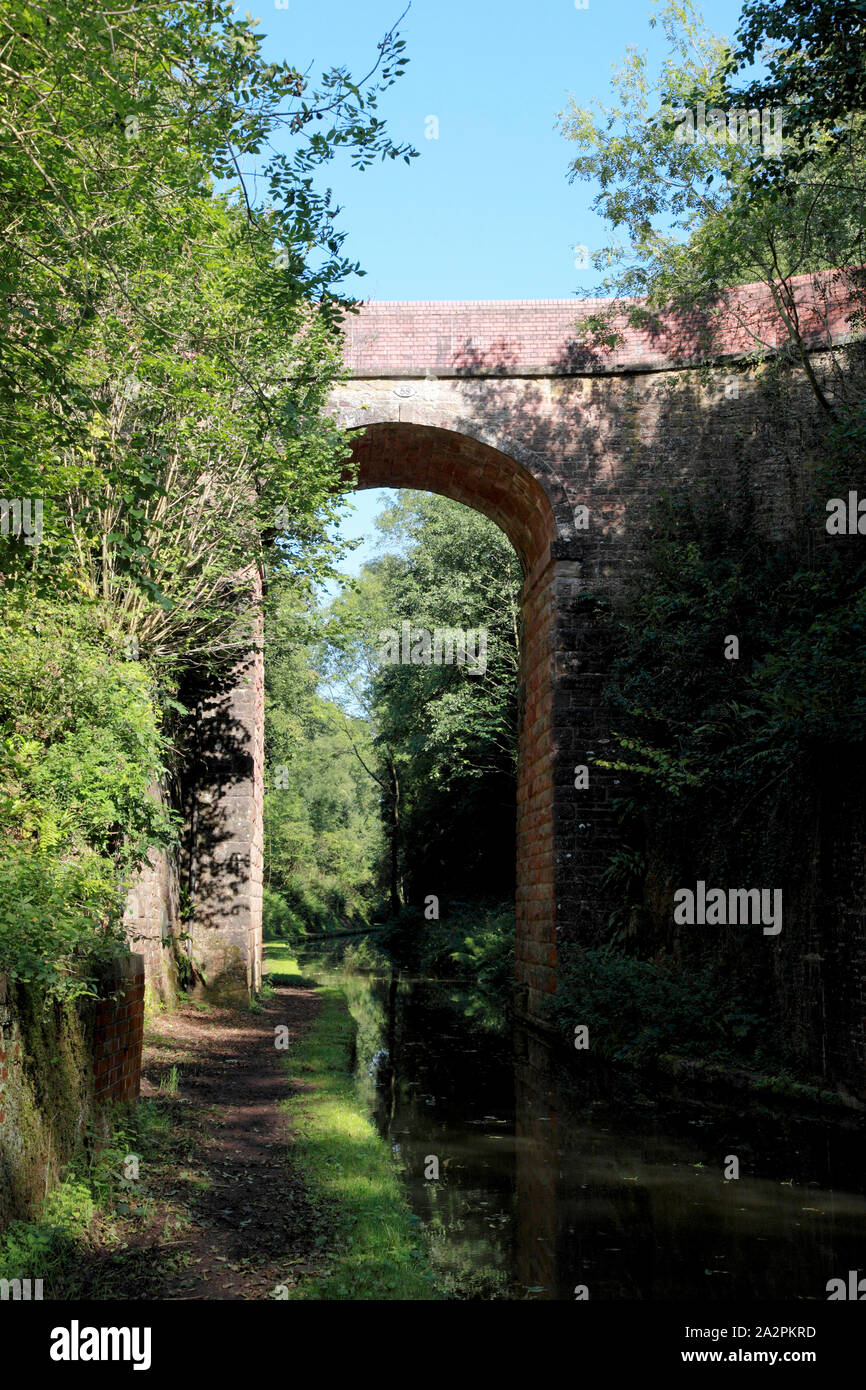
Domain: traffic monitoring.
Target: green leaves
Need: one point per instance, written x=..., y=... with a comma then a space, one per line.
x=163, y=373
x=163, y=377
x=83, y=753
x=698, y=730
x=444, y=741
x=58, y=920
x=815, y=72
x=697, y=178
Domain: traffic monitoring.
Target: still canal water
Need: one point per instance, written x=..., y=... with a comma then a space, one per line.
x=547, y=1183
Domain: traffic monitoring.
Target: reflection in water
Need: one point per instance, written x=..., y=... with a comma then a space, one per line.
x=547, y=1183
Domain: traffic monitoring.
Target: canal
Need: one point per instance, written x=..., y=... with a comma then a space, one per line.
x=535, y=1179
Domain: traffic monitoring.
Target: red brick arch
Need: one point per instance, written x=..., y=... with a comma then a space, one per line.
x=457, y=465
x=431, y=459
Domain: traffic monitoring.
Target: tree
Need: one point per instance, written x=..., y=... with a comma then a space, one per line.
x=444, y=740
x=168, y=341
x=689, y=222
x=816, y=73
x=322, y=833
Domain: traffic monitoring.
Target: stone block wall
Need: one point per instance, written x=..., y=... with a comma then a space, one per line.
x=536, y=908
x=153, y=924
x=225, y=839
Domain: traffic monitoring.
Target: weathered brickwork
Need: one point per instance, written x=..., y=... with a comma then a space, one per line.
x=153, y=924
x=223, y=861
x=118, y=1031
x=498, y=406
x=538, y=337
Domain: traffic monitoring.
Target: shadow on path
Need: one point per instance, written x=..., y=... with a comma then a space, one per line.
x=218, y=1211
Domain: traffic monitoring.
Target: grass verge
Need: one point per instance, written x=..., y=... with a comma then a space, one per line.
x=97, y=1192
x=349, y=1171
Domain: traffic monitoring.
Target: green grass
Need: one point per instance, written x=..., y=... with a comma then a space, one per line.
x=279, y=960
x=168, y=1085
x=347, y=1169
x=350, y=1173
x=49, y=1245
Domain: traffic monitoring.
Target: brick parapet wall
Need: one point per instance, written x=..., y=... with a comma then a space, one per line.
x=541, y=337
x=118, y=1032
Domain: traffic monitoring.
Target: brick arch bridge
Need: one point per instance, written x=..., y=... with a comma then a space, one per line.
x=498, y=405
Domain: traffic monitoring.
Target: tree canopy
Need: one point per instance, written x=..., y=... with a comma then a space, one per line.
x=686, y=166
x=171, y=273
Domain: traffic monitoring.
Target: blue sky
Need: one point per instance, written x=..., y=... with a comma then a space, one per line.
x=486, y=211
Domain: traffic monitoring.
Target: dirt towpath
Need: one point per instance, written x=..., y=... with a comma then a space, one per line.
x=219, y=1210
